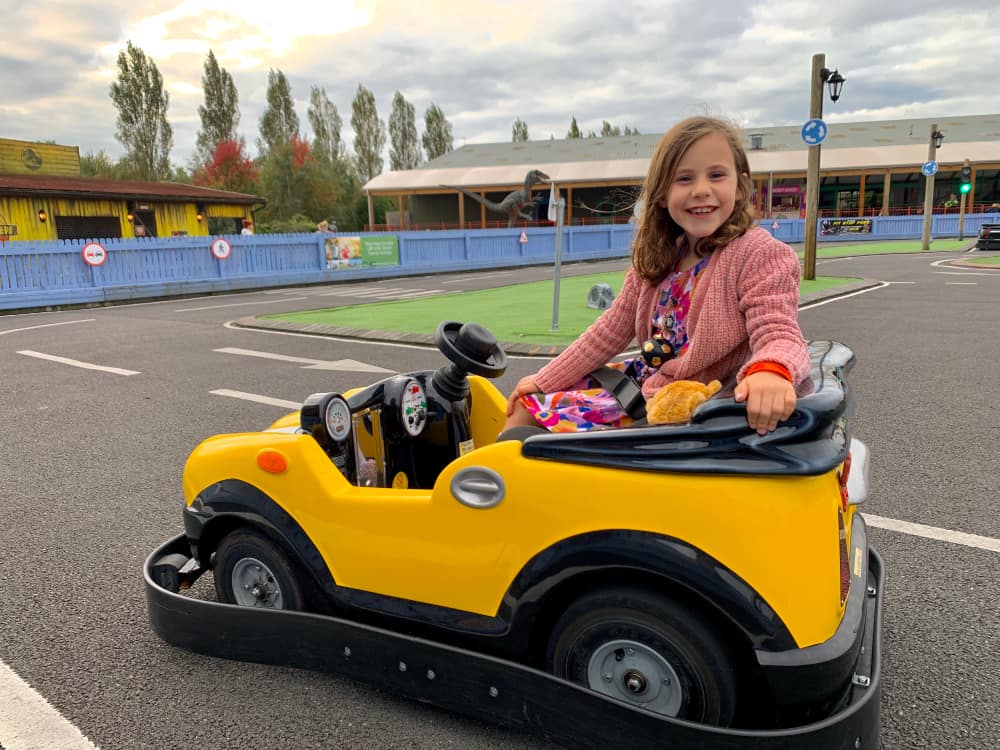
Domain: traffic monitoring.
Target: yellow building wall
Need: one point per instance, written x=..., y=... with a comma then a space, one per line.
x=170, y=217
x=28, y=157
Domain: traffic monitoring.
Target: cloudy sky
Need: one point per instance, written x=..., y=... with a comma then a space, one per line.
x=643, y=63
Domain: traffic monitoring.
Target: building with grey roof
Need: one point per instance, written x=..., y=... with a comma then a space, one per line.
x=867, y=168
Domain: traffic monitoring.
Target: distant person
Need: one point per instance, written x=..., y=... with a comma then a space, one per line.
x=247, y=227
x=995, y=208
x=323, y=227
x=714, y=294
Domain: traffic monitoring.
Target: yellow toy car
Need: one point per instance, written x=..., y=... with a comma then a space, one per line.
x=691, y=577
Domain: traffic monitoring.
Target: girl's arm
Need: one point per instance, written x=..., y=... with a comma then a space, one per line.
x=607, y=337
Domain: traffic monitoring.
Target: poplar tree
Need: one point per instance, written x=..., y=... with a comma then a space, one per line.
x=519, y=131
x=404, y=153
x=437, y=138
x=279, y=124
x=574, y=130
x=142, y=103
x=220, y=114
x=369, y=134
x=326, y=125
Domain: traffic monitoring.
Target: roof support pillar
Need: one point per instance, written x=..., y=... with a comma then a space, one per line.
x=886, y=188
x=371, y=213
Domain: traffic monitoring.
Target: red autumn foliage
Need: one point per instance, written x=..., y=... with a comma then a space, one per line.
x=229, y=169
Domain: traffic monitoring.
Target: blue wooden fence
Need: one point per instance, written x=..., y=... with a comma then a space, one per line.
x=53, y=273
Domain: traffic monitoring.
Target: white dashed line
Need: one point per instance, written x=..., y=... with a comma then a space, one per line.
x=29, y=722
x=78, y=363
x=933, y=532
x=239, y=304
x=257, y=398
x=46, y=325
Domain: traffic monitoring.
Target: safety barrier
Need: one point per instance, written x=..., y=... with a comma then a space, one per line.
x=53, y=273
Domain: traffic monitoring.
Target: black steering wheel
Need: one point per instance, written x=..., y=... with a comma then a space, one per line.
x=471, y=348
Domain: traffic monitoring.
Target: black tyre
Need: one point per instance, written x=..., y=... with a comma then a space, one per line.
x=646, y=650
x=252, y=571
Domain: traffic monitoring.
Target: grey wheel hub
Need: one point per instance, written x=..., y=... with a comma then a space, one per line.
x=254, y=585
x=637, y=674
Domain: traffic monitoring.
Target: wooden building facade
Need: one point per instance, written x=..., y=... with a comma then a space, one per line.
x=43, y=197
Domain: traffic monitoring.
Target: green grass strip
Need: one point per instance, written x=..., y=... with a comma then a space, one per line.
x=992, y=261
x=519, y=313
x=841, y=250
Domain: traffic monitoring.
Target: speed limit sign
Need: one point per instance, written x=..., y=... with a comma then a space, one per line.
x=94, y=254
x=221, y=248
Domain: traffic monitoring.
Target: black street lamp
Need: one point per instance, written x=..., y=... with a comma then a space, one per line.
x=834, y=80
x=937, y=136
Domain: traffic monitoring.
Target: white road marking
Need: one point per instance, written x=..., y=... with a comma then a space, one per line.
x=882, y=285
x=964, y=273
x=933, y=532
x=344, y=365
x=29, y=722
x=238, y=304
x=961, y=283
x=460, y=279
x=257, y=398
x=78, y=363
x=46, y=325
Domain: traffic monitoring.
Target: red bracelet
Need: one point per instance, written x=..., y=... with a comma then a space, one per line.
x=769, y=367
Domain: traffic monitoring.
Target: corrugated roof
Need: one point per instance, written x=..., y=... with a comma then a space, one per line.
x=90, y=187
x=634, y=170
x=881, y=144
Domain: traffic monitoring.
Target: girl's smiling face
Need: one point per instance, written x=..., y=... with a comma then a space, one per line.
x=702, y=194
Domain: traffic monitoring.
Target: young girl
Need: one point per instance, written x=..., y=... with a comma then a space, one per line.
x=716, y=293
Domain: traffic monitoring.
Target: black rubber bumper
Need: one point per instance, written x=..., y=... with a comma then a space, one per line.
x=489, y=689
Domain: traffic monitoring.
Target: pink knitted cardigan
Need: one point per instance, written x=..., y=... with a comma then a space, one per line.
x=744, y=310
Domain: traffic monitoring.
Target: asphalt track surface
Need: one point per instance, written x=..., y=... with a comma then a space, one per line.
x=91, y=465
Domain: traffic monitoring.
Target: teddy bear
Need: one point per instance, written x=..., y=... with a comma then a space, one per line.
x=675, y=402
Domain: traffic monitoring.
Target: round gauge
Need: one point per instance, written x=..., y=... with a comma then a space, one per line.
x=413, y=408
x=337, y=418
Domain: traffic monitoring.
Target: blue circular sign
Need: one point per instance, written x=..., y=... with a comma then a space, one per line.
x=814, y=132
x=929, y=168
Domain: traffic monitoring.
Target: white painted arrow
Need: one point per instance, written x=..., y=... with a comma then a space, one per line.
x=345, y=365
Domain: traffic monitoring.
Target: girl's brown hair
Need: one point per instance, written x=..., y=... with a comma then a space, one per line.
x=657, y=246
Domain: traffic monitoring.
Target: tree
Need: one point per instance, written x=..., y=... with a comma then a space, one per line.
x=220, y=114
x=519, y=131
x=574, y=130
x=437, y=138
x=142, y=103
x=404, y=153
x=326, y=125
x=369, y=134
x=279, y=123
x=229, y=168
x=99, y=165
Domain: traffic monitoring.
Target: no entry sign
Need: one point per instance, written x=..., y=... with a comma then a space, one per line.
x=94, y=254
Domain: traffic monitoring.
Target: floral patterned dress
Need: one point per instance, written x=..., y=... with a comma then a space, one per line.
x=586, y=405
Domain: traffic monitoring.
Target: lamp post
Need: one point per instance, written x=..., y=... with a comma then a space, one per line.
x=820, y=75
x=933, y=144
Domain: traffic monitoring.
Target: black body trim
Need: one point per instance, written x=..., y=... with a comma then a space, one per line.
x=483, y=687
x=673, y=562
x=814, y=440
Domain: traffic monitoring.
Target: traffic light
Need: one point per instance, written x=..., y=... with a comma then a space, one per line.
x=965, y=177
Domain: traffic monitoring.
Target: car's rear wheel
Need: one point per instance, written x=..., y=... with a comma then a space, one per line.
x=647, y=650
x=252, y=571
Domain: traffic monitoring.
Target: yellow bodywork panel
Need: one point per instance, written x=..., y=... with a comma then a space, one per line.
x=779, y=534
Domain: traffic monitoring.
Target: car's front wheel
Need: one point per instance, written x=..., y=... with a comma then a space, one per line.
x=252, y=571
x=646, y=650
